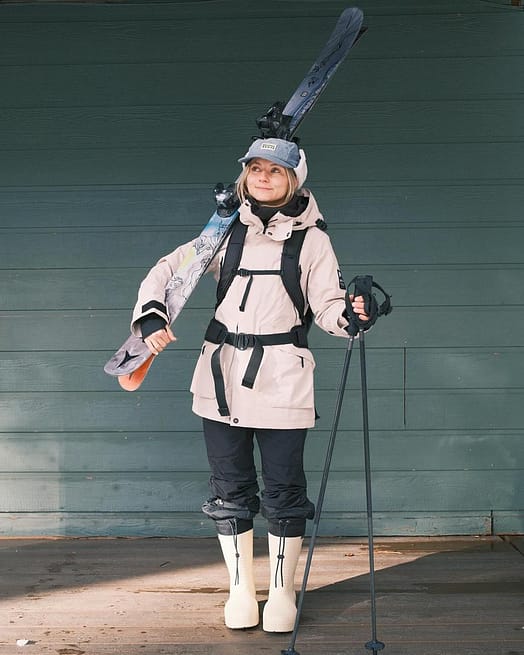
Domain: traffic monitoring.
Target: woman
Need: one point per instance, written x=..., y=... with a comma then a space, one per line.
x=254, y=376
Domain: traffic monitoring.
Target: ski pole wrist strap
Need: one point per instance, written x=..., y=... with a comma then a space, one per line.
x=363, y=286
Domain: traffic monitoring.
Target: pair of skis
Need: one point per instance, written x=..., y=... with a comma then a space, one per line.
x=132, y=360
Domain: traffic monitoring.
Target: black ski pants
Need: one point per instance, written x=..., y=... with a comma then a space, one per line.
x=233, y=482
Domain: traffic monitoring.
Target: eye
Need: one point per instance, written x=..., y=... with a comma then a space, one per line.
x=276, y=171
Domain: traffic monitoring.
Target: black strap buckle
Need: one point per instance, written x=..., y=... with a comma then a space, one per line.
x=216, y=332
x=243, y=341
x=299, y=336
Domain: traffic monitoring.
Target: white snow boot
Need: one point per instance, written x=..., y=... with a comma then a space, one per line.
x=241, y=610
x=280, y=610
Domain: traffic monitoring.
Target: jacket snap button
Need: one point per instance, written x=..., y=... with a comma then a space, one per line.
x=235, y=420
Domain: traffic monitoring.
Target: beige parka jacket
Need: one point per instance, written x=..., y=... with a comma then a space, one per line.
x=283, y=393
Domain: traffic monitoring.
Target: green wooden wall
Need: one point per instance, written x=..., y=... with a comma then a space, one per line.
x=116, y=121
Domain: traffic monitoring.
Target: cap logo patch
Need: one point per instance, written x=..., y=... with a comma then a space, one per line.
x=268, y=146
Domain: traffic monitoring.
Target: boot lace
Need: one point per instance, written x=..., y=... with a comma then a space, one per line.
x=279, y=570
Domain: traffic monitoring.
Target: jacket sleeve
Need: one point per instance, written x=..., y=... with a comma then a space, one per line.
x=325, y=286
x=152, y=290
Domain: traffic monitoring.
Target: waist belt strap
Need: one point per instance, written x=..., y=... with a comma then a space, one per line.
x=218, y=333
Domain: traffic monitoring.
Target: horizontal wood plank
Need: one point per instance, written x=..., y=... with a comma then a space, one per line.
x=410, y=327
x=190, y=638
x=181, y=125
x=354, y=205
x=420, y=163
x=177, y=450
x=195, y=524
x=160, y=411
x=80, y=11
x=395, y=491
x=160, y=83
x=116, y=288
x=508, y=522
x=173, y=40
x=465, y=368
x=407, y=245
x=464, y=409
x=82, y=371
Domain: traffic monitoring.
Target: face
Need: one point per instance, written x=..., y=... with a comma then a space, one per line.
x=267, y=182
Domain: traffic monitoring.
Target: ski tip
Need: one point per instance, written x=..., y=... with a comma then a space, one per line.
x=133, y=380
x=353, y=14
x=352, y=20
x=355, y=11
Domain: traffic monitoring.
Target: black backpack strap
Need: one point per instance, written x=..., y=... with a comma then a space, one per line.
x=289, y=267
x=231, y=259
x=290, y=270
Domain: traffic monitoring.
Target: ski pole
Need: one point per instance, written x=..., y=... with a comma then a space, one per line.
x=363, y=286
x=290, y=650
x=374, y=644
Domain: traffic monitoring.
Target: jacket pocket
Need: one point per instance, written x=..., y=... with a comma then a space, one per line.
x=286, y=378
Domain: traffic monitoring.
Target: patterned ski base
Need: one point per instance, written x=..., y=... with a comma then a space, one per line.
x=134, y=353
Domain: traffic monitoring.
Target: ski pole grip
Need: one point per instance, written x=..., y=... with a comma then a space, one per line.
x=363, y=286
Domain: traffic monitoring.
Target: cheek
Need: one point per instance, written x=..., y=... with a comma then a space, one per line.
x=283, y=186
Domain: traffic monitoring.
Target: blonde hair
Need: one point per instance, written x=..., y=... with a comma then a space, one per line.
x=292, y=184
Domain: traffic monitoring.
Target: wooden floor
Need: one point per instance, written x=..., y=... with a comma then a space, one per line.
x=436, y=596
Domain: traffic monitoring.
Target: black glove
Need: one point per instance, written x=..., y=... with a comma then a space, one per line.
x=363, y=287
x=151, y=323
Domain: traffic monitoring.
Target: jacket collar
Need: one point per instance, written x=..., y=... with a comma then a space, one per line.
x=280, y=226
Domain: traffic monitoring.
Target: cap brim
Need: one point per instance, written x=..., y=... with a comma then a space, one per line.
x=275, y=160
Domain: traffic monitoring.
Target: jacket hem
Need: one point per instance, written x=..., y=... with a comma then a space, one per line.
x=280, y=418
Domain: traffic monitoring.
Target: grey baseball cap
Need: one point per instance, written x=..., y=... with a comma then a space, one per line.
x=279, y=151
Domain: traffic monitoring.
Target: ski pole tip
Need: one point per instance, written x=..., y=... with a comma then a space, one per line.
x=375, y=645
